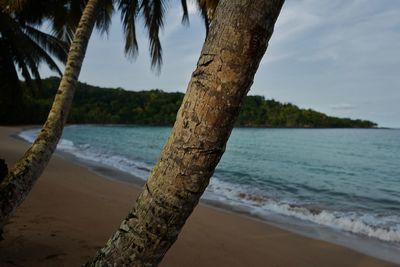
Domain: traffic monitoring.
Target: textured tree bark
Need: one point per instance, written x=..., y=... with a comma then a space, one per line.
x=21, y=178
x=238, y=39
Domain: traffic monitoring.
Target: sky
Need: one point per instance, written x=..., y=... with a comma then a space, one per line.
x=340, y=57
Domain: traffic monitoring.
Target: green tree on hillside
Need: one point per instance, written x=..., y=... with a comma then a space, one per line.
x=156, y=107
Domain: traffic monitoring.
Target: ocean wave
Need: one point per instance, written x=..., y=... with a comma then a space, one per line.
x=86, y=152
x=381, y=227
x=253, y=200
x=29, y=135
x=347, y=221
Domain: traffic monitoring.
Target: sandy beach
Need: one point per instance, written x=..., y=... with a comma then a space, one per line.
x=72, y=211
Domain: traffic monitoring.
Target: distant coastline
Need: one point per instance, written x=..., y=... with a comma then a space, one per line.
x=96, y=105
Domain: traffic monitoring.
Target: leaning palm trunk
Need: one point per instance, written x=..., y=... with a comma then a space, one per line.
x=21, y=178
x=230, y=57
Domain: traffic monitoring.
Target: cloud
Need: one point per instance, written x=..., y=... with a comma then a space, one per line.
x=343, y=106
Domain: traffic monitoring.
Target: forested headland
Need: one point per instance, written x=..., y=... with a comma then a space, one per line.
x=94, y=104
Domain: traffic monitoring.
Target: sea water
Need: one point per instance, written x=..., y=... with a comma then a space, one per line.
x=341, y=185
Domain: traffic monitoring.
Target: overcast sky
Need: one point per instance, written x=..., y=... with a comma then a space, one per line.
x=340, y=57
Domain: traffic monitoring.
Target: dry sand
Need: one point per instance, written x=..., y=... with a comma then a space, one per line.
x=71, y=212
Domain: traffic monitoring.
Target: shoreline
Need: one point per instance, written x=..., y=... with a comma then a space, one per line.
x=254, y=242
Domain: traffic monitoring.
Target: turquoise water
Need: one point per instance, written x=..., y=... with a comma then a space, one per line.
x=342, y=179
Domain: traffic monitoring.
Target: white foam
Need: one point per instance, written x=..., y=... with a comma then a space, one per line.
x=384, y=228
x=346, y=221
x=65, y=144
x=86, y=152
x=29, y=135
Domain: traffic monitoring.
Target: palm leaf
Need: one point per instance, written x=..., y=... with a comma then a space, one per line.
x=153, y=11
x=185, y=16
x=28, y=47
x=24, y=70
x=49, y=43
x=64, y=19
x=42, y=55
x=14, y=38
x=27, y=57
x=129, y=11
x=104, y=16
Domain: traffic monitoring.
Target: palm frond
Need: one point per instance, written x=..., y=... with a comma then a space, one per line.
x=34, y=69
x=153, y=11
x=185, y=16
x=104, y=16
x=27, y=58
x=64, y=20
x=49, y=43
x=14, y=37
x=28, y=47
x=42, y=55
x=31, y=52
x=24, y=70
x=129, y=10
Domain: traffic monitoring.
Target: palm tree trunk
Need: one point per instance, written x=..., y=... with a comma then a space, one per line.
x=21, y=178
x=238, y=39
